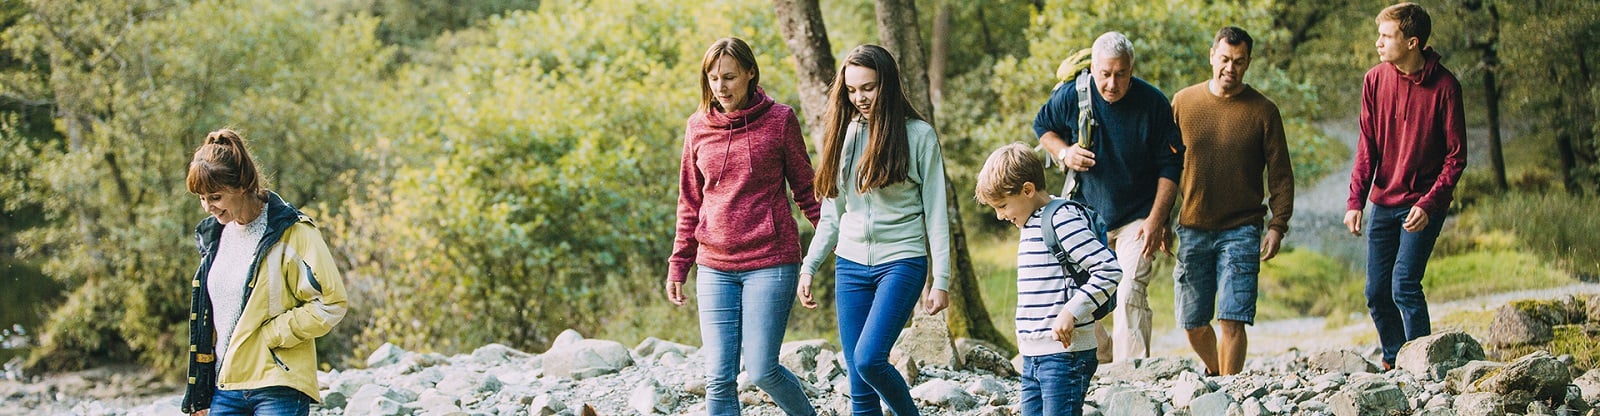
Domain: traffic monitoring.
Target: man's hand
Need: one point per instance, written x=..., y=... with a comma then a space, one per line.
x=1416, y=220
x=937, y=301
x=1352, y=221
x=1078, y=159
x=804, y=292
x=1062, y=327
x=1269, y=244
x=1155, y=236
x=675, y=292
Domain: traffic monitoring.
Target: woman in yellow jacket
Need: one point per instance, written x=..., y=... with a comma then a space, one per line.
x=266, y=288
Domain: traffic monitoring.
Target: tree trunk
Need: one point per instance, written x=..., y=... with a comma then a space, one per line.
x=899, y=33
x=1491, y=94
x=941, y=54
x=800, y=21
x=967, y=317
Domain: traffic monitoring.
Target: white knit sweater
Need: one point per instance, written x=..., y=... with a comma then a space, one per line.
x=229, y=272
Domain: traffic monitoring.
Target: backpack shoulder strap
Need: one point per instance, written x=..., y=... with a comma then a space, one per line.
x=1083, y=91
x=1047, y=230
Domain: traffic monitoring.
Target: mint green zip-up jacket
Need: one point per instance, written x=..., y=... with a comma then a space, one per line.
x=900, y=221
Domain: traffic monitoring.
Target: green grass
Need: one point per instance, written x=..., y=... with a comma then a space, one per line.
x=1487, y=272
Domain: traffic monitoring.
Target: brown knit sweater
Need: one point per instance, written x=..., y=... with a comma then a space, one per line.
x=1231, y=141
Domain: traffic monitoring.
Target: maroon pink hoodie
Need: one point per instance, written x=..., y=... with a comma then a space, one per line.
x=1411, y=150
x=734, y=189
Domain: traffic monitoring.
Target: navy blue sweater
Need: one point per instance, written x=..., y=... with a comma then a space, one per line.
x=1136, y=144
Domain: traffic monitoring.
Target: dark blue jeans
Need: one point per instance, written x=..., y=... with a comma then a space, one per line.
x=1396, y=260
x=874, y=304
x=265, y=401
x=1055, y=384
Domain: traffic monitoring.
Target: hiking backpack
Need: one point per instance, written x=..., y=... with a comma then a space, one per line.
x=1078, y=274
x=1076, y=69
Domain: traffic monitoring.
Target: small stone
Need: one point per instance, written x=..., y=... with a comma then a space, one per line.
x=385, y=354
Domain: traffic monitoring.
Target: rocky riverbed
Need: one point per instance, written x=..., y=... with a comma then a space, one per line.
x=1444, y=374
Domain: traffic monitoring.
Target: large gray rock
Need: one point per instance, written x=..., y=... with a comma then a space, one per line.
x=649, y=398
x=653, y=348
x=1463, y=379
x=944, y=394
x=468, y=383
x=1130, y=403
x=988, y=387
x=1513, y=327
x=801, y=356
x=830, y=364
x=1341, y=361
x=1188, y=387
x=1434, y=355
x=432, y=401
x=980, y=357
x=586, y=358
x=1216, y=403
x=1369, y=396
x=565, y=338
x=497, y=354
x=1592, y=309
x=1589, y=385
x=385, y=354
x=1538, y=373
x=544, y=405
x=1481, y=404
x=375, y=399
x=928, y=341
x=1162, y=368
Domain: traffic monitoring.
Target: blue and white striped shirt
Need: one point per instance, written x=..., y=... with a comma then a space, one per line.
x=1044, y=290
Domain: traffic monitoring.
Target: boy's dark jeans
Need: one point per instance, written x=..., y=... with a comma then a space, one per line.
x=1055, y=384
x=1396, y=260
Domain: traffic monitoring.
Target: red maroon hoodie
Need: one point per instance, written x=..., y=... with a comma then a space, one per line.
x=1411, y=150
x=734, y=189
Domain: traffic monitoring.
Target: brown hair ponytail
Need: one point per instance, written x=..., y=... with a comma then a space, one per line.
x=223, y=163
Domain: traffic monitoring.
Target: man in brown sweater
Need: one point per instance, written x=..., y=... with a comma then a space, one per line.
x=1233, y=135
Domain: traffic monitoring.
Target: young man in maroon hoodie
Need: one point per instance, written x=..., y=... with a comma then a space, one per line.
x=1407, y=163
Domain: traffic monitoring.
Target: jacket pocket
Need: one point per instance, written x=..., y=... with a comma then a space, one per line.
x=278, y=361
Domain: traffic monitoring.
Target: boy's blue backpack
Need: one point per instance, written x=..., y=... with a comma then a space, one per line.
x=1076, y=272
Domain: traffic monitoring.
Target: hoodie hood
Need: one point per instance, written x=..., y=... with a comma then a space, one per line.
x=760, y=104
x=1429, y=71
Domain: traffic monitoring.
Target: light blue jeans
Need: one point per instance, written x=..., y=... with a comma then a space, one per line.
x=265, y=401
x=748, y=309
x=874, y=303
x=1055, y=384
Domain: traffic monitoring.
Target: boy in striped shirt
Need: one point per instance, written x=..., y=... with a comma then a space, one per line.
x=1055, y=316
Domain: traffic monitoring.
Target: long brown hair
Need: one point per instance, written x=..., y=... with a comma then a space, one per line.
x=223, y=163
x=741, y=53
x=887, y=158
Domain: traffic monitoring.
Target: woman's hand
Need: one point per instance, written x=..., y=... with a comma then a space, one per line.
x=803, y=290
x=937, y=301
x=675, y=292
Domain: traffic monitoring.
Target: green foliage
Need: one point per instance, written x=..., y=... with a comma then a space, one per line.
x=1558, y=228
x=1486, y=272
x=530, y=181
x=137, y=84
x=1300, y=283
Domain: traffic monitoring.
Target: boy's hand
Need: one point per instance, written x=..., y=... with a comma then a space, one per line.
x=1063, y=328
x=804, y=292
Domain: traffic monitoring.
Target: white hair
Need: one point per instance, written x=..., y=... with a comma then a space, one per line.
x=1113, y=45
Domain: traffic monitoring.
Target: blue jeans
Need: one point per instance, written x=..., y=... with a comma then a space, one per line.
x=265, y=401
x=1213, y=262
x=1396, y=260
x=1055, y=384
x=874, y=303
x=748, y=309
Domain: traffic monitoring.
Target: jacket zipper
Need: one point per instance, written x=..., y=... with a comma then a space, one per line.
x=278, y=361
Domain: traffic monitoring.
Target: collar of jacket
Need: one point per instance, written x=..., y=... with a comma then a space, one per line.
x=1430, y=66
x=759, y=105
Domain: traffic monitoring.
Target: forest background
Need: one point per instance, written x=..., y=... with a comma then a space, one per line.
x=502, y=170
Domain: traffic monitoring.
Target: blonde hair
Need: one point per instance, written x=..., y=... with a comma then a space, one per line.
x=223, y=163
x=1412, y=19
x=1006, y=170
